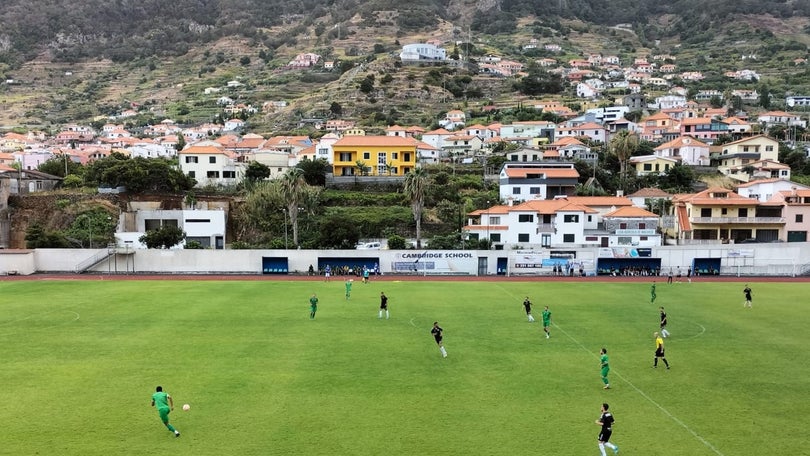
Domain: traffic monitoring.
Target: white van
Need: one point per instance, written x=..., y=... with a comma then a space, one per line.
x=369, y=246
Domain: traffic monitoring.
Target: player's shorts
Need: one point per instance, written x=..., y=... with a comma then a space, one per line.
x=659, y=352
x=164, y=414
x=546, y=323
x=327, y=274
x=383, y=306
x=605, y=371
x=438, y=339
x=313, y=309
x=604, y=436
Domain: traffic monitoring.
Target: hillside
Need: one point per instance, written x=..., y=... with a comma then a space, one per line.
x=159, y=58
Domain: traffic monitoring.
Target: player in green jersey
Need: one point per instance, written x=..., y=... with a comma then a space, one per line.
x=652, y=293
x=349, y=288
x=313, y=306
x=164, y=404
x=546, y=321
x=605, y=366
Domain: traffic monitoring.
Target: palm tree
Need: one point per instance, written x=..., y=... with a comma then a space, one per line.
x=414, y=189
x=292, y=189
x=623, y=145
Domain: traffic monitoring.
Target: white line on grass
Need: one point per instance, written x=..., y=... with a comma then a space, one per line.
x=642, y=393
x=645, y=396
x=702, y=330
x=9, y=323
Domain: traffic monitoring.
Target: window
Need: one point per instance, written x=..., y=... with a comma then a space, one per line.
x=647, y=166
x=571, y=218
x=191, y=159
x=768, y=148
x=642, y=226
x=724, y=211
x=534, y=190
x=495, y=237
x=366, y=155
x=523, y=237
x=494, y=220
x=516, y=190
x=229, y=174
x=568, y=238
x=513, y=158
x=345, y=156
x=394, y=155
x=406, y=157
x=525, y=218
x=192, y=174
x=799, y=218
x=706, y=212
x=212, y=159
x=743, y=212
x=213, y=175
x=622, y=226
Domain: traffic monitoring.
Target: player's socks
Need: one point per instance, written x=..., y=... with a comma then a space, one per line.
x=666, y=363
x=380, y=314
x=655, y=362
x=177, y=433
x=171, y=428
x=386, y=315
x=444, y=352
x=612, y=447
x=602, y=449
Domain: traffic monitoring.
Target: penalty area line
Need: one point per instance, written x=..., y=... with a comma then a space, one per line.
x=648, y=398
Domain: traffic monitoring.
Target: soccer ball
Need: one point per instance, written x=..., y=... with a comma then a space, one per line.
x=186, y=407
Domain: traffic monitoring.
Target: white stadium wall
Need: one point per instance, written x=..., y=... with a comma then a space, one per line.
x=778, y=259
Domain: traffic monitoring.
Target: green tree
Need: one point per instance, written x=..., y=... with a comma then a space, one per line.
x=164, y=237
x=315, y=171
x=293, y=192
x=414, y=189
x=338, y=231
x=138, y=175
x=396, y=242
x=181, y=142
x=37, y=237
x=60, y=165
x=622, y=146
x=257, y=172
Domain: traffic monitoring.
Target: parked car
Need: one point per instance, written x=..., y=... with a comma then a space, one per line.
x=369, y=246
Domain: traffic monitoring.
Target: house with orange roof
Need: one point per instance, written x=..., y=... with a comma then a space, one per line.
x=570, y=148
x=737, y=126
x=454, y=119
x=796, y=211
x=210, y=164
x=436, y=137
x=689, y=150
x=233, y=125
x=427, y=154
x=760, y=169
x=718, y=214
x=481, y=131
x=289, y=144
x=323, y=147
x=461, y=145
x=557, y=223
x=704, y=128
x=381, y=155
x=518, y=181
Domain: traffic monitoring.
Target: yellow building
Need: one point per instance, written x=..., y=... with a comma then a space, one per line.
x=379, y=155
x=718, y=214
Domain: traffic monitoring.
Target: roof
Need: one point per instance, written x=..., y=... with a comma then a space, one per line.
x=359, y=141
x=649, y=192
x=632, y=211
x=682, y=141
x=551, y=173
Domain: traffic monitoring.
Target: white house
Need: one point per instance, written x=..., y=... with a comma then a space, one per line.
x=206, y=227
x=422, y=52
x=691, y=151
x=763, y=189
x=210, y=164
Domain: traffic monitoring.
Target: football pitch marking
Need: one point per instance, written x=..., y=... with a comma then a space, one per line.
x=639, y=391
x=702, y=331
x=10, y=324
x=645, y=396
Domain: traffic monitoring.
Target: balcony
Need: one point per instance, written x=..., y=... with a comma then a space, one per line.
x=736, y=220
x=545, y=228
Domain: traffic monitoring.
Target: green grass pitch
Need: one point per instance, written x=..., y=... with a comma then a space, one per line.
x=82, y=358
